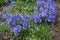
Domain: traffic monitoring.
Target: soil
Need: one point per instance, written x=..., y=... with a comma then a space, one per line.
x=4, y=36
x=55, y=27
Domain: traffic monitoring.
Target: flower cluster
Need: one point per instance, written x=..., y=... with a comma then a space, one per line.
x=47, y=9
x=44, y=10
x=11, y=5
x=16, y=23
x=35, y=17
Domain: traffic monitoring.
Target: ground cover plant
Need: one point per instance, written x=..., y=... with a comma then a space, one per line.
x=28, y=20
x=1, y=2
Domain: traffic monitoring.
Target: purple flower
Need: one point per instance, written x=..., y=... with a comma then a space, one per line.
x=7, y=16
x=16, y=34
x=44, y=13
x=37, y=18
x=8, y=25
x=9, y=20
x=40, y=3
x=16, y=23
x=46, y=8
x=36, y=9
x=19, y=28
x=12, y=4
x=41, y=9
x=24, y=21
x=51, y=18
x=4, y=8
x=52, y=12
x=29, y=16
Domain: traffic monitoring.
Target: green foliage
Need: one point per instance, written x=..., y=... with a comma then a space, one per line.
x=24, y=6
x=41, y=32
x=3, y=28
x=1, y=2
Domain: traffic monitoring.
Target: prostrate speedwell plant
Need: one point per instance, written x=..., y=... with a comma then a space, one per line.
x=16, y=23
x=45, y=10
x=34, y=26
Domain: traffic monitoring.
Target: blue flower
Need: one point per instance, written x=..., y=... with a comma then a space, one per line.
x=16, y=30
x=16, y=23
x=19, y=28
x=40, y=3
x=44, y=13
x=29, y=16
x=6, y=15
x=41, y=9
x=37, y=18
x=36, y=9
x=12, y=4
x=24, y=21
x=46, y=8
x=16, y=34
x=51, y=18
x=4, y=8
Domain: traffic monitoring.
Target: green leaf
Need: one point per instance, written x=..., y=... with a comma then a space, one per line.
x=3, y=28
